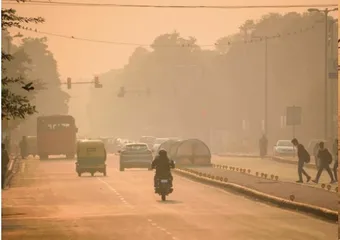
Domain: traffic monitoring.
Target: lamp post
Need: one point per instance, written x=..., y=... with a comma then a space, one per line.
x=265, y=117
x=325, y=12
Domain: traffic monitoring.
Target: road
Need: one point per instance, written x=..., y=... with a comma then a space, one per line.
x=49, y=201
x=285, y=171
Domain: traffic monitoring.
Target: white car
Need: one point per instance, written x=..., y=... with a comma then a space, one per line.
x=284, y=148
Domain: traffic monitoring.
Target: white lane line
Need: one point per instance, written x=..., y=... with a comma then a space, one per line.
x=161, y=228
x=115, y=191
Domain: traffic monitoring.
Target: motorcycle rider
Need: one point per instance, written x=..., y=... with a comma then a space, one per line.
x=163, y=166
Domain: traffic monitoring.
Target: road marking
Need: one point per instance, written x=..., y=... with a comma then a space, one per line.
x=117, y=194
x=161, y=228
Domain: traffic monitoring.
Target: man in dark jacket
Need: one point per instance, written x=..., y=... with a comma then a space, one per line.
x=335, y=152
x=325, y=159
x=303, y=157
x=4, y=164
x=163, y=166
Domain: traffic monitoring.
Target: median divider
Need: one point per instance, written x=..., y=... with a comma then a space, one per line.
x=262, y=175
x=223, y=182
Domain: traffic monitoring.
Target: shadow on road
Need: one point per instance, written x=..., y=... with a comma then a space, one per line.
x=169, y=202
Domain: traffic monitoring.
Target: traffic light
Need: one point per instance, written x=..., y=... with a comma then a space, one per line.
x=96, y=83
x=69, y=83
x=121, y=92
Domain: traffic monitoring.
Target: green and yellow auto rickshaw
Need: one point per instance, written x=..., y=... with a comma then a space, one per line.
x=91, y=157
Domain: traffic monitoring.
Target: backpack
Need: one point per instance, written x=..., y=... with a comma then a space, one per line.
x=329, y=157
x=306, y=156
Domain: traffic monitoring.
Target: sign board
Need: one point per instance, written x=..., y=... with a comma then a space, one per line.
x=294, y=116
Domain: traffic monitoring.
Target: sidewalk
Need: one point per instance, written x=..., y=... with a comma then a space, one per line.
x=288, y=160
x=303, y=193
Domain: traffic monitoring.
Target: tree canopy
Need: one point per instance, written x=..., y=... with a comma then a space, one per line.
x=194, y=90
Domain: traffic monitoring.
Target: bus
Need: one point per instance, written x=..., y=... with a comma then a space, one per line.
x=56, y=135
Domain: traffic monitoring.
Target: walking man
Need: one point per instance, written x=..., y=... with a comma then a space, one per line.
x=325, y=160
x=4, y=164
x=303, y=157
x=335, y=152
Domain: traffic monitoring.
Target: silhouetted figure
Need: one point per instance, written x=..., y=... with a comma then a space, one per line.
x=335, y=152
x=263, y=145
x=325, y=160
x=163, y=166
x=23, y=147
x=4, y=164
x=303, y=157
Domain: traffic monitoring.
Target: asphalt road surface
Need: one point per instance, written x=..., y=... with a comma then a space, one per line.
x=49, y=201
x=286, y=172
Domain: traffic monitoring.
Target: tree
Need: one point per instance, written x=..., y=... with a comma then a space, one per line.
x=14, y=105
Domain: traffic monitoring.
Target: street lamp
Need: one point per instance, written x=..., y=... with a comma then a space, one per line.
x=326, y=12
x=265, y=119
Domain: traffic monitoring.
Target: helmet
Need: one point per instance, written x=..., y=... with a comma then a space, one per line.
x=162, y=152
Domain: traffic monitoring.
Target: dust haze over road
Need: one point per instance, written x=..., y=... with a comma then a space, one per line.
x=49, y=201
x=216, y=92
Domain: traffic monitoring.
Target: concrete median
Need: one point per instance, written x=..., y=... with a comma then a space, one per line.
x=223, y=182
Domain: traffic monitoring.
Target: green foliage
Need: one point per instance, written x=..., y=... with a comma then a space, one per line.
x=14, y=105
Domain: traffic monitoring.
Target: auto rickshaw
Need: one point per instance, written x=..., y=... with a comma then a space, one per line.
x=91, y=157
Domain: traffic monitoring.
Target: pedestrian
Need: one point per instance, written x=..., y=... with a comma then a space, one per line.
x=263, y=145
x=23, y=147
x=303, y=157
x=325, y=160
x=4, y=164
x=335, y=153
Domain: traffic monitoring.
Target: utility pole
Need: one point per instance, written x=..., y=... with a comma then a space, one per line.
x=326, y=12
x=266, y=86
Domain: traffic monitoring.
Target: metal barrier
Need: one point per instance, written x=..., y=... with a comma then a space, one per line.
x=12, y=168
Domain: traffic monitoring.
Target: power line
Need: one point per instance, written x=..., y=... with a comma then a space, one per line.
x=75, y=4
x=282, y=35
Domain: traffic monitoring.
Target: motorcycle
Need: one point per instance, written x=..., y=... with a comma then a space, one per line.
x=163, y=187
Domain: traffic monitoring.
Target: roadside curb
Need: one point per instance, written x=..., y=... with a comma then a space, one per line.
x=323, y=213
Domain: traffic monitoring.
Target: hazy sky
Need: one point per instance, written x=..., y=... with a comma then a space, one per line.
x=79, y=59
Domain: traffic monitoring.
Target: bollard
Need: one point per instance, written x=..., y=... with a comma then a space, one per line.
x=323, y=185
x=237, y=169
x=292, y=197
x=272, y=176
x=257, y=174
x=212, y=177
x=262, y=174
x=249, y=171
x=225, y=179
x=265, y=175
x=226, y=167
x=329, y=187
x=276, y=178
